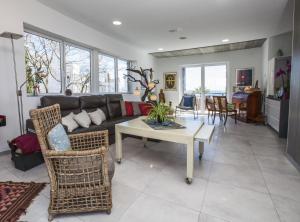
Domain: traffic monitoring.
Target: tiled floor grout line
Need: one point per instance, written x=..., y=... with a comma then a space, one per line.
x=265, y=182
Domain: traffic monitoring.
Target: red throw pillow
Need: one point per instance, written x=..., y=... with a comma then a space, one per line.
x=128, y=108
x=145, y=108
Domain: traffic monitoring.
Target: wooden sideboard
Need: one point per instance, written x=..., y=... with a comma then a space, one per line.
x=251, y=102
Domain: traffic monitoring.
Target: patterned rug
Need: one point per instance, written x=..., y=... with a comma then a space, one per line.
x=16, y=197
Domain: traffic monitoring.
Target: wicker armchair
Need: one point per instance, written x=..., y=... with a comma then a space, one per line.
x=79, y=180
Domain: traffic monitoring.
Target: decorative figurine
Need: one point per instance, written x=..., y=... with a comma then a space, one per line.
x=162, y=98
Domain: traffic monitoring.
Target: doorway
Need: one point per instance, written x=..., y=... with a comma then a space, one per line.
x=205, y=80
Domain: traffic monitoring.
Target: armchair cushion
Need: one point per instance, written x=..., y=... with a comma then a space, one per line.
x=58, y=139
x=188, y=101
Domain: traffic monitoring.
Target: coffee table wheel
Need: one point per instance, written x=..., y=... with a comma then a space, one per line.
x=188, y=180
x=108, y=212
x=200, y=156
x=119, y=161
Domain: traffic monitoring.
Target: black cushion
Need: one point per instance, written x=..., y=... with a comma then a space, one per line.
x=114, y=105
x=67, y=104
x=91, y=103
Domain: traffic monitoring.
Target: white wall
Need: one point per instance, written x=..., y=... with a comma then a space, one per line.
x=13, y=13
x=235, y=59
x=283, y=42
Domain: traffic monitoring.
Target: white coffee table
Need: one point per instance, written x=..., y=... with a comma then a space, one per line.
x=194, y=130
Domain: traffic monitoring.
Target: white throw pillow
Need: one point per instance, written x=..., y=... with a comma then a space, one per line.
x=103, y=117
x=69, y=122
x=96, y=117
x=83, y=119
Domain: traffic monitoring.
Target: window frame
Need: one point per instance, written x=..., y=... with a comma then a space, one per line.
x=65, y=64
x=117, y=68
x=94, y=61
x=61, y=50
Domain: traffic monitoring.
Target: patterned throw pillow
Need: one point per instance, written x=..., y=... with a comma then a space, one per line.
x=102, y=114
x=69, y=122
x=96, y=117
x=83, y=119
x=58, y=139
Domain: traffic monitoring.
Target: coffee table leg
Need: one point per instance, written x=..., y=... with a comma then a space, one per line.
x=144, y=141
x=201, y=150
x=118, y=145
x=190, y=161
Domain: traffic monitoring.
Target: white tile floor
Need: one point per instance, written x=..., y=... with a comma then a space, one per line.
x=244, y=176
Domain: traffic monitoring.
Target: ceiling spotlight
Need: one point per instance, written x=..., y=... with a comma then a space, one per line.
x=182, y=38
x=225, y=40
x=160, y=49
x=116, y=22
x=178, y=29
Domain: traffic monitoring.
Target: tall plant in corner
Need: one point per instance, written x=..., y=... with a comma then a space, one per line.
x=284, y=90
x=145, y=78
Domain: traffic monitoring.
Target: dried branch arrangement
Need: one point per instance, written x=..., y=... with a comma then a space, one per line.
x=146, y=80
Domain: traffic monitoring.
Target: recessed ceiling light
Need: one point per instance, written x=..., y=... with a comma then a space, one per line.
x=178, y=29
x=160, y=49
x=116, y=22
x=225, y=40
x=182, y=38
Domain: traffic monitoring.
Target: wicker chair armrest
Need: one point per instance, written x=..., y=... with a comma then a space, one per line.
x=74, y=153
x=89, y=141
x=80, y=164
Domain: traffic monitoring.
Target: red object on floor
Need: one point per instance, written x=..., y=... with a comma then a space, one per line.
x=129, y=108
x=145, y=108
x=28, y=143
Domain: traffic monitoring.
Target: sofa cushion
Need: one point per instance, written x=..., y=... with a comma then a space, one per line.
x=83, y=119
x=67, y=104
x=114, y=105
x=69, y=122
x=91, y=103
x=97, y=117
x=107, y=124
x=129, y=108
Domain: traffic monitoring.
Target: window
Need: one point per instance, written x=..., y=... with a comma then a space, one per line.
x=54, y=64
x=42, y=63
x=192, y=79
x=122, y=79
x=106, y=73
x=78, y=69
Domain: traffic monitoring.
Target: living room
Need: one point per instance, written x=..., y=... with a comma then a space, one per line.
x=153, y=111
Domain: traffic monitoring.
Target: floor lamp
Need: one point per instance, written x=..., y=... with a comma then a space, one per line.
x=12, y=37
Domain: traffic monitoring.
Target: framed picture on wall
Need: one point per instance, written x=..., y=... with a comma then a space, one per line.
x=244, y=77
x=170, y=81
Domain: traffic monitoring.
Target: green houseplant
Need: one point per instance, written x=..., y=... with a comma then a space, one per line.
x=160, y=113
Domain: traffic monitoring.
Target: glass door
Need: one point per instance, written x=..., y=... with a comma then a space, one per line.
x=205, y=80
x=214, y=80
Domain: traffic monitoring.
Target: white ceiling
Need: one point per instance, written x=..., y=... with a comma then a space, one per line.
x=203, y=22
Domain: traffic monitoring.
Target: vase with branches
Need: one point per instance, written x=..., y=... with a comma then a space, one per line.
x=145, y=79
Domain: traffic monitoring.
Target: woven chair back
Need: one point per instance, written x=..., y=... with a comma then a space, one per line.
x=44, y=120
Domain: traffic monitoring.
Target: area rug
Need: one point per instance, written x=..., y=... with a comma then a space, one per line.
x=15, y=197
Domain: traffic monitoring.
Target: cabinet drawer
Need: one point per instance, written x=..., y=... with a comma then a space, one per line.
x=273, y=122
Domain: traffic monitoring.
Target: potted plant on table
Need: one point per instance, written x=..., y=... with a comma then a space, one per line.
x=160, y=114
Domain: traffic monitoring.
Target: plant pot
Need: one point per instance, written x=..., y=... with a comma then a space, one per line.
x=159, y=120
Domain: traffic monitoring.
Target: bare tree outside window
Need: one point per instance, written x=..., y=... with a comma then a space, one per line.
x=78, y=69
x=42, y=55
x=106, y=73
x=122, y=78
